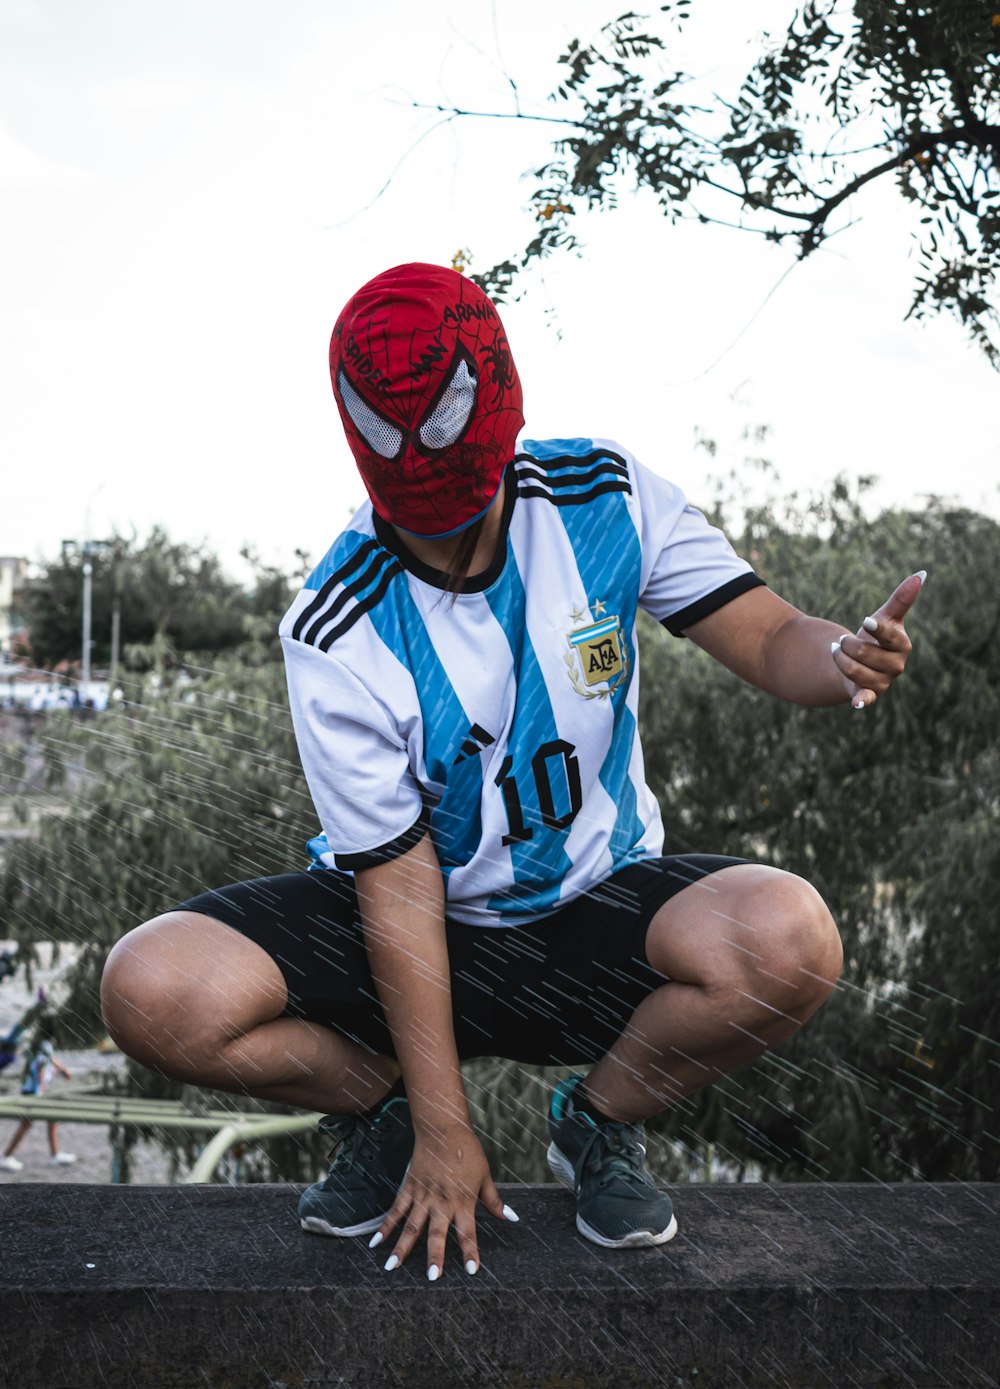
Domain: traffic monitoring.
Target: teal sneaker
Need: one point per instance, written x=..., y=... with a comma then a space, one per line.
x=617, y=1204
x=369, y=1165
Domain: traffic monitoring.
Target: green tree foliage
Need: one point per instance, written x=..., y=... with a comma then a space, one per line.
x=192, y=785
x=171, y=596
x=877, y=89
x=893, y=813
x=192, y=780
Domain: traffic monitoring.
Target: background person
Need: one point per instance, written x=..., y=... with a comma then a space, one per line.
x=38, y=1075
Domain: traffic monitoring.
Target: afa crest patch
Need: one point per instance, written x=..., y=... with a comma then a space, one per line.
x=597, y=659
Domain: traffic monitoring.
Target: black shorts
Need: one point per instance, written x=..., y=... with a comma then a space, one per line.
x=552, y=992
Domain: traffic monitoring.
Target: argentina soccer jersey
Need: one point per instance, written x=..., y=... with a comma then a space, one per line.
x=519, y=702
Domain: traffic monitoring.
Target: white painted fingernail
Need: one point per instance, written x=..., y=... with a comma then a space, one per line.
x=433, y=1273
x=391, y=1263
x=835, y=647
x=375, y=1239
x=858, y=704
x=870, y=624
x=921, y=574
x=508, y=1214
x=471, y=1266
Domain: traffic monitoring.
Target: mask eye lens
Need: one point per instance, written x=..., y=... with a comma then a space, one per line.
x=381, y=437
x=449, y=419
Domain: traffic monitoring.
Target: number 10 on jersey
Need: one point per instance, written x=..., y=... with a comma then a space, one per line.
x=555, y=772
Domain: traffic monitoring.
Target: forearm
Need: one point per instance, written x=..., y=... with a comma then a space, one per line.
x=769, y=643
x=402, y=908
x=774, y=646
x=797, y=663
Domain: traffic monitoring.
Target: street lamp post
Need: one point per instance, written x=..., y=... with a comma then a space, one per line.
x=88, y=588
x=116, y=635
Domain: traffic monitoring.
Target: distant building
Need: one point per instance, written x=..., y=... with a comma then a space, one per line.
x=12, y=572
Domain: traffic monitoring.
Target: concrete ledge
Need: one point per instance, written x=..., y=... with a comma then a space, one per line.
x=778, y=1286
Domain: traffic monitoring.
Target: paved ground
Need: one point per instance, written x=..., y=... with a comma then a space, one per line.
x=88, y=1141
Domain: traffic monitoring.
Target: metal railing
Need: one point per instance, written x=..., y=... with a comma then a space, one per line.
x=227, y=1127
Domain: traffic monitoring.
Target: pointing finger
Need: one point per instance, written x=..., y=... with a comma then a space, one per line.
x=895, y=607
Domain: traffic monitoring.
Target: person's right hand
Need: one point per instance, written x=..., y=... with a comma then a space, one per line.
x=872, y=659
x=448, y=1173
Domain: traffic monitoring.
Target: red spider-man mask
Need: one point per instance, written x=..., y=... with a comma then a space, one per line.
x=429, y=396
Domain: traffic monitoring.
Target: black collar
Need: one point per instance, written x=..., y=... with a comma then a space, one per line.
x=390, y=540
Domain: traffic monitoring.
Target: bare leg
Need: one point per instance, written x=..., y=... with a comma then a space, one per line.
x=53, y=1138
x=751, y=953
x=195, y=999
x=19, y=1133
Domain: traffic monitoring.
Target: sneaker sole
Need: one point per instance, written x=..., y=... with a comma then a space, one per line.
x=561, y=1168
x=315, y=1226
x=636, y=1240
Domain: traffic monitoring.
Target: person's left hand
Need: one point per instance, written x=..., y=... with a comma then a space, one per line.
x=448, y=1173
x=872, y=659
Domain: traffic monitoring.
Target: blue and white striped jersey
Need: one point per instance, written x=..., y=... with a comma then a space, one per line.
x=504, y=720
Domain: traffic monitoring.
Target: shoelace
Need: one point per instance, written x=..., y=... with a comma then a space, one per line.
x=622, y=1156
x=354, y=1135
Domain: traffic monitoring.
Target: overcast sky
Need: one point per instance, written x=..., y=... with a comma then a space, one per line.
x=190, y=194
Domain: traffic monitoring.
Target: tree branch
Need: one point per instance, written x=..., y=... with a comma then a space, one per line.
x=499, y=115
x=978, y=134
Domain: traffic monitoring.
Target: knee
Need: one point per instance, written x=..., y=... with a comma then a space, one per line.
x=797, y=943
x=153, y=998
